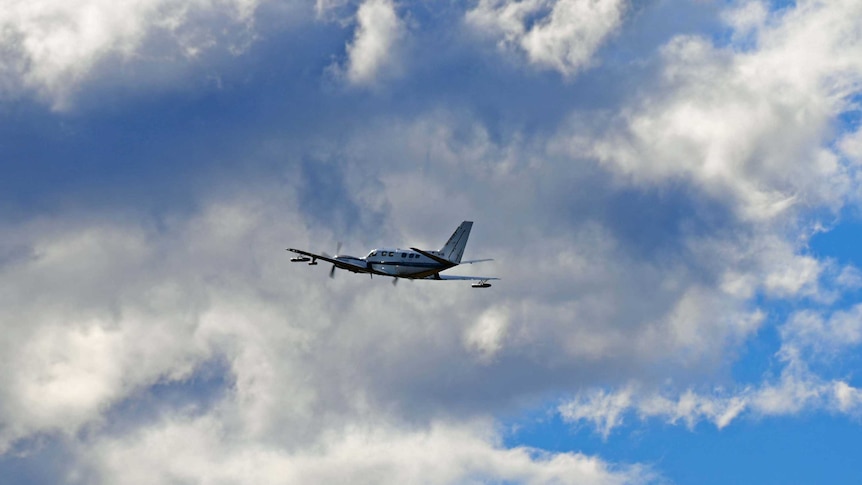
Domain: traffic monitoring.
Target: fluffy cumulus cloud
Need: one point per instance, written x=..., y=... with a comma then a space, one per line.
x=641, y=242
x=198, y=451
x=373, y=52
x=754, y=124
x=606, y=300
x=112, y=312
x=100, y=316
x=51, y=47
x=561, y=35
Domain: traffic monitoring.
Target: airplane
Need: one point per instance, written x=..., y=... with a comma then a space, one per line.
x=413, y=263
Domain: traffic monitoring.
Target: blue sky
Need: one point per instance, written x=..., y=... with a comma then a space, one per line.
x=669, y=190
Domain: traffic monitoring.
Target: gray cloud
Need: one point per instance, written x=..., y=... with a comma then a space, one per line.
x=633, y=234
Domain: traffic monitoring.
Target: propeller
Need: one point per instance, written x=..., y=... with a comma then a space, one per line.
x=337, y=250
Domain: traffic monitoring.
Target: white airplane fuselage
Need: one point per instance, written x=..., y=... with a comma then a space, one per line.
x=403, y=263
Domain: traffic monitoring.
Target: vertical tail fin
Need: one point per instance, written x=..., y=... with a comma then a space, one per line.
x=454, y=248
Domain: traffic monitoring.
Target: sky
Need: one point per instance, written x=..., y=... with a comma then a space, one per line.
x=670, y=191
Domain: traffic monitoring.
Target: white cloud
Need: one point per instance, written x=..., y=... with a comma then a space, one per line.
x=108, y=310
x=600, y=300
x=825, y=338
x=850, y=278
x=750, y=125
x=851, y=147
x=806, y=337
x=849, y=399
x=67, y=358
x=324, y=6
x=796, y=391
x=441, y=454
x=555, y=34
x=604, y=282
x=604, y=409
x=487, y=335
x=53, y=46
x=375, y=49
x=746, y=18
x=137, y=305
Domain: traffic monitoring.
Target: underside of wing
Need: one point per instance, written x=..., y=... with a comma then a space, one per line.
x=461, y=278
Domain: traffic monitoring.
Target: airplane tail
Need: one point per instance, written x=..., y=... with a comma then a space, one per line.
x=454, y=248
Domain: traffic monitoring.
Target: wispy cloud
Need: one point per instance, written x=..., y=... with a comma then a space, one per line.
x=562, y=35
x=807, y=339
x=795, y=392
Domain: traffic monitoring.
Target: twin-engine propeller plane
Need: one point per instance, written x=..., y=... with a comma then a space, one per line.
x=413, y=263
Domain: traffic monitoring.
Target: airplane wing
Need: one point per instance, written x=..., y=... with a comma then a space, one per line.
x=340, y=263
x=314, y=256
x=462, y=278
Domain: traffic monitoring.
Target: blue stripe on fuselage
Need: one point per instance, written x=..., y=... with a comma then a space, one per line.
x=415, y=269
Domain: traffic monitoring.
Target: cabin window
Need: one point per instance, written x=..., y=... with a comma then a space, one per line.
x=403, y=255
x=392, y=253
